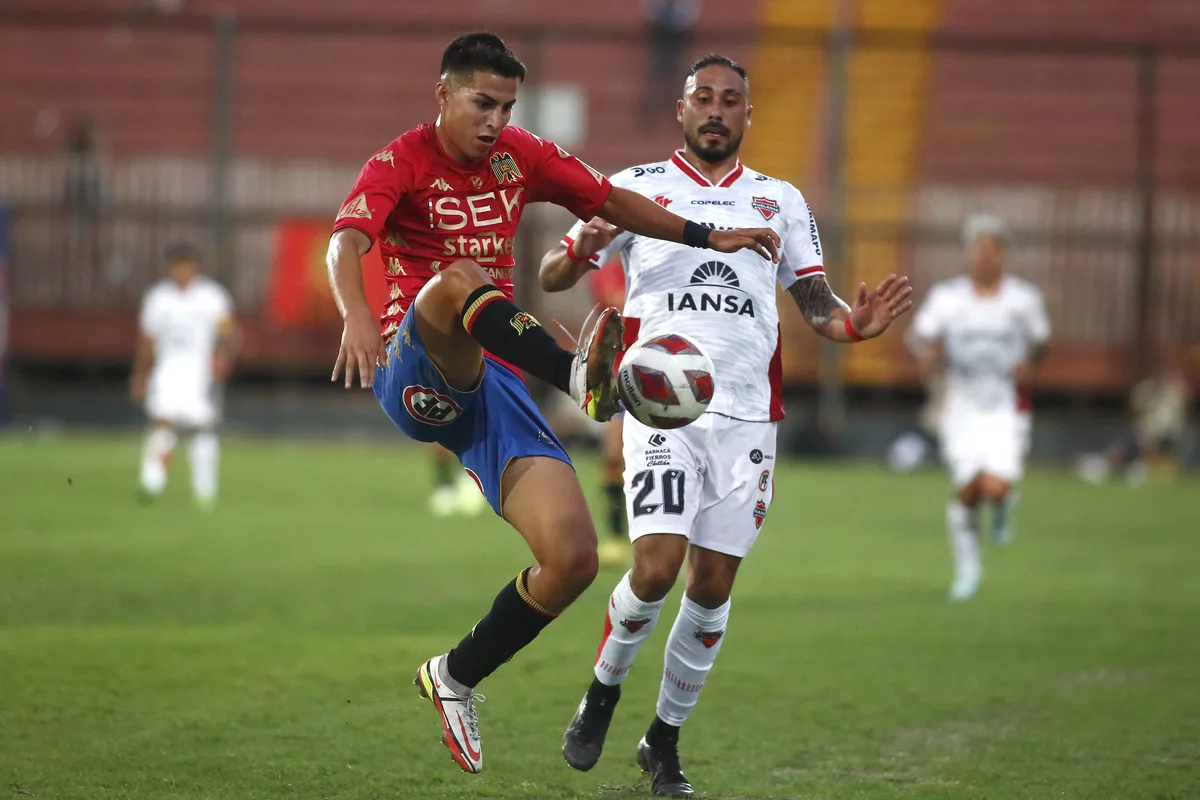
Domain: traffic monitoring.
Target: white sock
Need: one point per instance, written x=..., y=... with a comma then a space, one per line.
x=627, y=625
x=963, y=525
x=692, y=649
x=204, y=452
x=156, y=451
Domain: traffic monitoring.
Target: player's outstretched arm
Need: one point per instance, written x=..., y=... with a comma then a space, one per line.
x=362, y=346
x=564, y=265
x=870, y=316
x=644, y=217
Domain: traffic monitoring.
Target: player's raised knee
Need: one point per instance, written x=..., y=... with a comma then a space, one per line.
x=652, y=579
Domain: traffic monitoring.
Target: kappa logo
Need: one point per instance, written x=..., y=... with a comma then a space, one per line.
x=634, y=625
x=657, y=440
x=756, y=456
x=441, y=185
x=394, y=267
x=386, y=157
x=760, y=514
x=356, y=208
x=765, y=206
x=663, y=200
x=395, y=293
x=523, y=321
x=764, y=480
x=394, y=239
x=430, y=406
x=505, y=168
x=709, y=638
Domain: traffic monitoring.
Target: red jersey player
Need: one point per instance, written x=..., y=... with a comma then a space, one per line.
x=443, y=200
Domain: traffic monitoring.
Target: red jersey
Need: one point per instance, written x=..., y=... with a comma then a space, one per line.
x=427, y=210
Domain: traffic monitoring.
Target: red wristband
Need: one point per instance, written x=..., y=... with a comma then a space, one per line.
x=853, y=334
x=571, y=252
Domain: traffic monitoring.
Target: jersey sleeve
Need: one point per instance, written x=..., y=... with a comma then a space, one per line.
x=149, y=317
x=381, y=184
x=928, y=323
x=1037, y=324
x=558, y=177
x=800, y=256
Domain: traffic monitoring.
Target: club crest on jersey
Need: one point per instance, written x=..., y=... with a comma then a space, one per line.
x=430, y=406
x=765, y=206
x=505, y=168
x=663, y=200
x=356, y=208
x=709, y=638
x=476, y=182
x=760, y=514
x=634, y=625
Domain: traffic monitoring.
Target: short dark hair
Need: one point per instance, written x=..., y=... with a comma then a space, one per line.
x=481, y=50
x=712, y=59
x=182, y=251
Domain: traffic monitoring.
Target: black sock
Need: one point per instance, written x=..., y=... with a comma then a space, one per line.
x=662, y=734
x=504, y=330
x=615, y=494
x=514, y=621
x=601, y=694
x=443, y=472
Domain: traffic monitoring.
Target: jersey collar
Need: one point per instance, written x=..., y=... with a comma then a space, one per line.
x=687, y=169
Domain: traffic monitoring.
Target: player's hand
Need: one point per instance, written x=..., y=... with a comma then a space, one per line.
x=137, y=388
x=763, y=241
x=222, y=367
x=874, y=311
x=362, y=350
x=594, y=236
x=1023, y=373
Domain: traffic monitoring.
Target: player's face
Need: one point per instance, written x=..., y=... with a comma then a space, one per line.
x=714, y=112
x=985, y=259
x=182, y=271
x=475, y=110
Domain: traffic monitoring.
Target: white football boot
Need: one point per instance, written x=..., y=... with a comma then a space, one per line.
x=460, y=724
x=593, y=372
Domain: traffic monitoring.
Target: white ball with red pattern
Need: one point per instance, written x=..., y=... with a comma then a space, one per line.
x=665, y=381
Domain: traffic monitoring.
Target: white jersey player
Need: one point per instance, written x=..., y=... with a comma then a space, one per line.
x=985, y=331
x=184, y=354
x=702, y=492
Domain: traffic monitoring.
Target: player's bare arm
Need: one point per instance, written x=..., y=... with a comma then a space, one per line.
x=1027, y=369
x=563, y=266
x=225, y=351
x=143, y=361
x=362, y=346
x=642, y=216
x=873, y=312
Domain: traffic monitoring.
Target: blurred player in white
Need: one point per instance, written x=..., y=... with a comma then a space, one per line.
x=701, y=492
x=184, y=355
x=987, y=332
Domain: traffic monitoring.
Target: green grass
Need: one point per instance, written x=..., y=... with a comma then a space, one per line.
x=265, y=650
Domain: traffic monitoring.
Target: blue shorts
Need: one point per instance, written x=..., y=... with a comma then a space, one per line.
x=486, y=427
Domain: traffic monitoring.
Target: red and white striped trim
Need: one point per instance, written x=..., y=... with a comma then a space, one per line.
x=687, y=169
x=805, y=272
x=568, y=243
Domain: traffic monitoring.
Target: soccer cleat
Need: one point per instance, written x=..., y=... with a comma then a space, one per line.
x=662, y=764
x=584, y=740
x=460, y=725
x=963, y=589
x=615, y=553
x=593, y=372
x=1002, y=529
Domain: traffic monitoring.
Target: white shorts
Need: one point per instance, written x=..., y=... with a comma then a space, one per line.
x=184, y=409
x=710, y=481
x=991, y=441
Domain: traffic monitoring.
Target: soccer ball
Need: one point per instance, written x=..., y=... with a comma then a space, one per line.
x=665, y=381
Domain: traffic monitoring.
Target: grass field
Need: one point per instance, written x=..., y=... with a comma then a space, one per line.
x=266, y=650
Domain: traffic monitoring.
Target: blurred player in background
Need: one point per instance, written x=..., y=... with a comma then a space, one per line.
x=185, y=352
x=443, y=201
x=986, y=331
x=700, y=493
x=454, y=491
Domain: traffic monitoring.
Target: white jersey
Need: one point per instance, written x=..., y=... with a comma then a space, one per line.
x=983, y=337
x=184, y=325
x=723, y=301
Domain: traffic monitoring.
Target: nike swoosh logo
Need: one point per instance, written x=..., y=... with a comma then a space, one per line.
x=471, y=751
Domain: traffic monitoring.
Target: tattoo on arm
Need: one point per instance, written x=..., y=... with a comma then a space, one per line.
x=816, y=300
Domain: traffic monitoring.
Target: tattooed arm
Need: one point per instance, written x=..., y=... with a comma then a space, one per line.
x=873, y=312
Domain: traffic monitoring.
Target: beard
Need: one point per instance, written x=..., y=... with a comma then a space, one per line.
x=712, y=152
